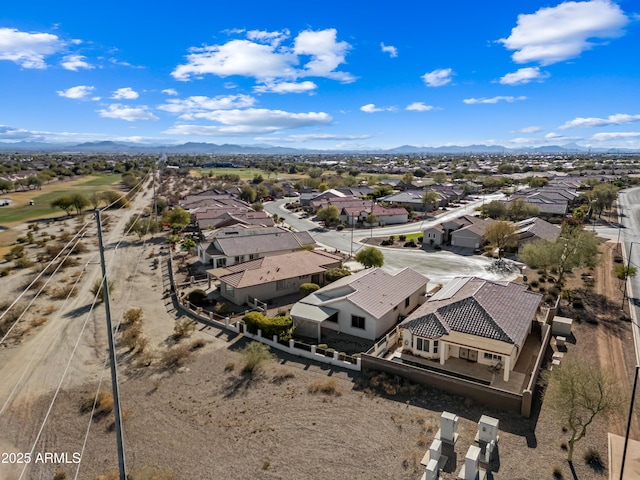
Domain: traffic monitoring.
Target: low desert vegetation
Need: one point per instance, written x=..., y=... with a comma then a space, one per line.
x=255, y=355
x=328, y=386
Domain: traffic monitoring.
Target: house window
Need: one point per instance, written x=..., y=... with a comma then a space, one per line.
x=357, y=322
x=491, y=356
x=253, y=256
x=229, y=290
x=280, y=285
x=221, y=262
x=422, y=344
x=407, y=302
x=435, y=347
x=238, y=259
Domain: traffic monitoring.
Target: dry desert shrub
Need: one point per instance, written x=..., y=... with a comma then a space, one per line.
x=36, y=322
x=176, y=356
x=328, y=386
x=133, y=315
x=183, y=328
x=255, y=354
x=63, y=291
x=103, y=404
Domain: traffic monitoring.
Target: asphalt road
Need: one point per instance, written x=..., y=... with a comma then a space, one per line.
x=439, y=267
x=629, y=204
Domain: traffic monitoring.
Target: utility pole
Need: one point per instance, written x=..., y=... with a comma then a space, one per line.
x=626, y=275
x=155, y=199
x=626, y=437
x=112, y=357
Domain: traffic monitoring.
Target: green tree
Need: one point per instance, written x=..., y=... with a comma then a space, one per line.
x=248, y=193
x=141, y=226
x=336, y=273
x=261, y=191
x=439, y=177
x=581, y=392
x=257, y=206
x=177, y=218
x=6, y=185
x=79, y=202
x=314, y=172
x=370, y=257
x=329, y=214
x=419, y=172
x=65, y=203
x=501, y=234
x=430, y=199
x=574, y=248
x=495, y=209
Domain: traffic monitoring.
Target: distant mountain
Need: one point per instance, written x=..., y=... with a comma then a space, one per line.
x=195, y=148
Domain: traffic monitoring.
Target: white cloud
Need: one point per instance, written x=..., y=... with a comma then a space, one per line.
x=392, y=51
x=197, y=104
x=532, y=129
x=81, y=92
x=326, y=54
x=250, y=121
x=125, y=93
x=265, y=118
x=75, y=62
x=273, y=38
x=492, y=100
x=617, y=119
x=371, y=108
x=554, y=34
x=311, y=137
x=170, y=91
x=125, y=112
x=11, y=133
x=557, y=137
x=237, y=57
x=286, y=87
x=270, y=62
x=523, y=75
x=28, y=49
x=419, y=107
x=438, y=78
x=605, y=136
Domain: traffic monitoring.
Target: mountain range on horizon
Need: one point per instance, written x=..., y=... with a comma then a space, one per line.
x=110, y=147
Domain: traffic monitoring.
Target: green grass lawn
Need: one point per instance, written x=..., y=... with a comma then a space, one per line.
x=21, y=211
x=411, y=236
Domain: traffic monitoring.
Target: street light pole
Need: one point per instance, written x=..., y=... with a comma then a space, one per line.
x=626, y=437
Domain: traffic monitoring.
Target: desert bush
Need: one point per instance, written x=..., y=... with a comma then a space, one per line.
x=131, y=335
x=328, y=386
x=133, y=315
x=402, y=238
x=64, y=291
x=183, y=328
x=386, y=243
x=79, y=248
x=5, y=271
x=23, y=262
x=534, y=283
x=97, y=290
x=197, y=297
x=36, y=322
x=308, y=288
x=255, y=354
x=336, y=273
x=557, y=473
x=59, y=476
x=176, y=356
x=222, y=308
x=103, y=404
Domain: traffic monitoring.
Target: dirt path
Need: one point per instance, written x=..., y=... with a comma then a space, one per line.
x=610, y=344
x=35, y=366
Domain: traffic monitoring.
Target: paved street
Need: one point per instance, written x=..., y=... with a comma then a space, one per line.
x=629, y=202
x=439, y=267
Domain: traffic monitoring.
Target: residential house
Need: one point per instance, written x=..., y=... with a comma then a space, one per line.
x=410, y=199
x=434, y=235
x=231, y=245
x=366, y=304
x=473, y=319
x=383, y=215
x=471, y=236
x=212, y=218
x=274, y=276
x=535, y=228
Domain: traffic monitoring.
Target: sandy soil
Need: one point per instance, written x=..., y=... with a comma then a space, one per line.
x=210, y=420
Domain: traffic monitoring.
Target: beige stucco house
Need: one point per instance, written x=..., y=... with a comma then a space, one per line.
x=473, y=319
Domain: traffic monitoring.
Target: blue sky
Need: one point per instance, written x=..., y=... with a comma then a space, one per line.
x=328, y=75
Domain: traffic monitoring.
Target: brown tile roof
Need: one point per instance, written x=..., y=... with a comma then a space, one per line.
x=497, y=310
x=279, y=267
x=241, y=241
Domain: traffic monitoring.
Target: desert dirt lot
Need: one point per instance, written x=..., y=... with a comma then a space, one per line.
x=208, y=419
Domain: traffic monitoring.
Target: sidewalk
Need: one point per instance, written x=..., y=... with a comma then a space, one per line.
x=632, y=462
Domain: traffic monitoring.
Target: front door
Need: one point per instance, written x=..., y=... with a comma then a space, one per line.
x=473, y=355
x=464, y=353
